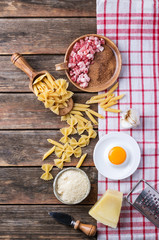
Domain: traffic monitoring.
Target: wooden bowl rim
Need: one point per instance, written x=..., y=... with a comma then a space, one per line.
x=118, y=65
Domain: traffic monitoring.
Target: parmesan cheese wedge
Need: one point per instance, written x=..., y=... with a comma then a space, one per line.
x=107, y=208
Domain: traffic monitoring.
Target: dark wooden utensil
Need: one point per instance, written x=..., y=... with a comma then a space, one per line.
x=19, y=61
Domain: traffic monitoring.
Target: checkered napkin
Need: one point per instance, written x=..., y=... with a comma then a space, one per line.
x=133, y=26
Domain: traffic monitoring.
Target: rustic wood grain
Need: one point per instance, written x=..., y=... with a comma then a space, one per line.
x=42, y=35
x=14, y=80
x=45, y=28
x=49, y=8
x=33, y=222
x=26, y=148
x=22, y=185
x=24, y=111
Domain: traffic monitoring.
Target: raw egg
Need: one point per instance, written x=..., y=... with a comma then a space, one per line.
x=117, y=155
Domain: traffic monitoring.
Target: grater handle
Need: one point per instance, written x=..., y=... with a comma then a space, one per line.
x=127, y=196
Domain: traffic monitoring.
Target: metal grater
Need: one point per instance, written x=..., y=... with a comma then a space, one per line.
x=147, y=202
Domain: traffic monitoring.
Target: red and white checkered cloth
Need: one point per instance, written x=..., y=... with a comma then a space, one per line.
x=133, y=26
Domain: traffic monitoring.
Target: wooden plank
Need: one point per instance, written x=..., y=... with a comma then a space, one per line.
x=22, y=185
x=49, y=8
x=33, y=222
x=26, y=148
x=14, y=80
x=47, y=35
x=24, y=111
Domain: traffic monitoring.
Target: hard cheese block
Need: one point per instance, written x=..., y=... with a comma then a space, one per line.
x=107, y=208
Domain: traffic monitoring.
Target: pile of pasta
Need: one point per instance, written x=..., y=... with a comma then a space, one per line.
x=53, y=93
x=107, y=100
x=78, y=124
x=68, y=145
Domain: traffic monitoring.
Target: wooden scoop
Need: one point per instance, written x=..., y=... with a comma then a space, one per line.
x=19, y=61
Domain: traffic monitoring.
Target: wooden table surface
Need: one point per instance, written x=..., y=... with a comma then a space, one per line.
x=42, y=31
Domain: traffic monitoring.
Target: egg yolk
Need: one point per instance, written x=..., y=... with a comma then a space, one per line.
x=117, y=155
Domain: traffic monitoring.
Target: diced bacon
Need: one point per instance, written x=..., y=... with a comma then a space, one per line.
x=86, y=52
x=81, y=57
x=102, y=41
x=71, y=73
x=73, y=78
x=81, y=64
x=87, y=62
x=82, y=42
x=86, y=77
x=101, y=48
x=78, y=57
x=73, y=54
x=84, y=85
x=90, y=56
x=85, y=70
x=92, y=38
x=71, y=65
x=76, y=47
x=73, y=60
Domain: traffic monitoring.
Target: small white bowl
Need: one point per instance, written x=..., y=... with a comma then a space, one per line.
x=102, y=162
x=55, y=185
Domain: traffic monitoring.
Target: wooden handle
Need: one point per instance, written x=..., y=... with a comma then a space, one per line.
x=19, y=61
x=61, y=66
x=88, y=229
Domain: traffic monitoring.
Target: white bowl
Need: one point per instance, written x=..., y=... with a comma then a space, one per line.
x=101, y=160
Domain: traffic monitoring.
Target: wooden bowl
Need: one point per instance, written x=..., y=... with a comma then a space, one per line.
x=94, y=86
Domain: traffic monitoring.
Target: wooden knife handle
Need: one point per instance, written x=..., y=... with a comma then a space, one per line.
x=88, y=229
x=19, y=61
